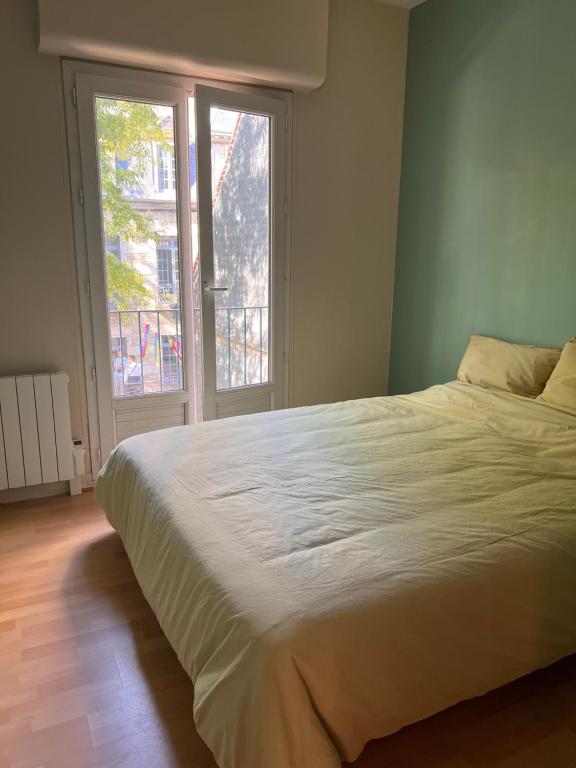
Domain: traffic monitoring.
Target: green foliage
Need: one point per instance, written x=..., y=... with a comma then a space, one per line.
x=127, y=131
x=126, y=286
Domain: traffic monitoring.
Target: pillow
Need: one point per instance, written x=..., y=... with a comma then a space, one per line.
x=517, y=368
x=561, y=387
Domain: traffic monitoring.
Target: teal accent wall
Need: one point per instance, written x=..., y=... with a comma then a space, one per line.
x=487, y=227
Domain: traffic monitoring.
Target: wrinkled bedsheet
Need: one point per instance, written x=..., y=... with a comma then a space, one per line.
x=330, y=574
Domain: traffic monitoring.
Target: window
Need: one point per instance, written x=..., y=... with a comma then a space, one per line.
x=143, y=288
x=119, y=345
x=166, y=169
x=114, y=246
x=149, y=197
x=165, y=269
x=168, y=268
x=121, y=172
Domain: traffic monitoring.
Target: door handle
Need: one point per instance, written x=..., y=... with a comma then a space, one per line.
x=214, y=288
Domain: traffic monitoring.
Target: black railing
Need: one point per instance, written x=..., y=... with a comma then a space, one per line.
x=147, y=349
x=241, y=346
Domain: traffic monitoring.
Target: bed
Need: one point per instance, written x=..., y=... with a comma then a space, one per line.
x=330, y=574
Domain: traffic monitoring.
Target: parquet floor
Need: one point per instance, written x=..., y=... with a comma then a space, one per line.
x=87, y=679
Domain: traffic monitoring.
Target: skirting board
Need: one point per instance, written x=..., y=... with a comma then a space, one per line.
x=61, y=488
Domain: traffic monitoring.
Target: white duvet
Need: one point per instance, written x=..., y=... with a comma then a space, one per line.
x=327, y=575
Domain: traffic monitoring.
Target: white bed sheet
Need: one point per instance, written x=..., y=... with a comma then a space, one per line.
x=330, y=574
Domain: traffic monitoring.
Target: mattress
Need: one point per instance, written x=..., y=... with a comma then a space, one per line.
x=330, y=574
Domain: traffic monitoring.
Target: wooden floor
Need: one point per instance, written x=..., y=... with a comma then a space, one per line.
x=87, y=678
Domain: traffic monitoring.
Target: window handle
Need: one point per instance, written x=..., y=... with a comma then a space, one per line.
x=213, y=288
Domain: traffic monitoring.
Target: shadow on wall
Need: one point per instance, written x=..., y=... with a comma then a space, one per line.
x=488, y=184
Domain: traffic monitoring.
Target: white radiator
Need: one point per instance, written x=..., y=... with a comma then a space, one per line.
x=36, y=437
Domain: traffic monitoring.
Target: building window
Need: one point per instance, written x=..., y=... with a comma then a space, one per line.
x=166, y=169
x=168, y=268
x=119, y=345
x=122, y=166
x=114, y=246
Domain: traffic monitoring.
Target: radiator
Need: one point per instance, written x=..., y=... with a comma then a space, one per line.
x=36, y=438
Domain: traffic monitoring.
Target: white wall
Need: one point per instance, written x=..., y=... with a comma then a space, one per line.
x=347, y=151
x=39, y=316
x=347, y=148
x=271, y=42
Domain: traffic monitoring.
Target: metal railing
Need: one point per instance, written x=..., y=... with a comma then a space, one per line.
x=147, y=353
x=244, y=341
x=149, y=342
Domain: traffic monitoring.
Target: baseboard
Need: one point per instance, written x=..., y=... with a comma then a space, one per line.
x=60, y=488
x=33, y=492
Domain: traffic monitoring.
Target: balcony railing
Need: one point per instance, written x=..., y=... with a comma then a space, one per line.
x=147, y=352
x=241, y=346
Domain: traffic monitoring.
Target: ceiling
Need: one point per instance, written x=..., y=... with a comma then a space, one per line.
x=403, y=3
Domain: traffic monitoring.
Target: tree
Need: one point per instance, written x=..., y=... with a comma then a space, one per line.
x=127, y=131
x=126, y=286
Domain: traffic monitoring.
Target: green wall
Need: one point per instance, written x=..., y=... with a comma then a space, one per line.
x=487, y=230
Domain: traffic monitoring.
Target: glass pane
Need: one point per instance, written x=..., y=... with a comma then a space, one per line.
x=196, y=294
x=240, y=151
x=138, y=182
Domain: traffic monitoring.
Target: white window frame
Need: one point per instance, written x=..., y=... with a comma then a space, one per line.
x=98, y=392
x=235, y=399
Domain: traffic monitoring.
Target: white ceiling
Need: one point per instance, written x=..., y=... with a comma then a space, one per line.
x=403, y=3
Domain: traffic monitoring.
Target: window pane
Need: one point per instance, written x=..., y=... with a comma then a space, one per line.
x=196, y=294
x=240, y=152
x=138, y=183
